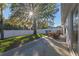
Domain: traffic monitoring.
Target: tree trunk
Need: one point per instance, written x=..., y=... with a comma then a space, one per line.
x=2, y=31
x=35, y=27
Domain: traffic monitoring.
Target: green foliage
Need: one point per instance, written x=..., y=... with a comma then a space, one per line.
x=13, y=42
x=0, y=30
x=40, y=11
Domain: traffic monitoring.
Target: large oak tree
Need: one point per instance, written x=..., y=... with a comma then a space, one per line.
x=40, y=11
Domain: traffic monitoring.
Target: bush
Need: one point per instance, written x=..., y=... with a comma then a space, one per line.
x=2, y=49
x=13, y=42
x=55, y=35
x=4, y=46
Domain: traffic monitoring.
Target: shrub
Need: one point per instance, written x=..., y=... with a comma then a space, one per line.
x=2, y=49
x=13, y=42
x=5, y=46
x=54, y=35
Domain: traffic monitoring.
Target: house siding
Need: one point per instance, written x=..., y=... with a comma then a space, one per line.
x=67, y=22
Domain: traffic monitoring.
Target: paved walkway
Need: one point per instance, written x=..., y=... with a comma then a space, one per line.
x=40, y=47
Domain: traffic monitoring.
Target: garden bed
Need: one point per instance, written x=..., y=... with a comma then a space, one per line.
x=13, y=42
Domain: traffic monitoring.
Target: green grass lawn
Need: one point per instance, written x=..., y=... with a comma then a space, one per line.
x=12, y=42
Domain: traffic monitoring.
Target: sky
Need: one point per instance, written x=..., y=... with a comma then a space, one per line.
x=57, y=19
x=7, y=12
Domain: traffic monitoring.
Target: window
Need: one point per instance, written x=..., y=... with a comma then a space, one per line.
x=76, y=13
x=75, y=28
x=75, y=16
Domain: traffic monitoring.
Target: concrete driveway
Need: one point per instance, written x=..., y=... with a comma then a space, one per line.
x=41, y=47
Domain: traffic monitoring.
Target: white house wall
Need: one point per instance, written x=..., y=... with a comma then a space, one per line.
x=69, y=27
x=68, y=31
x=78, y=29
